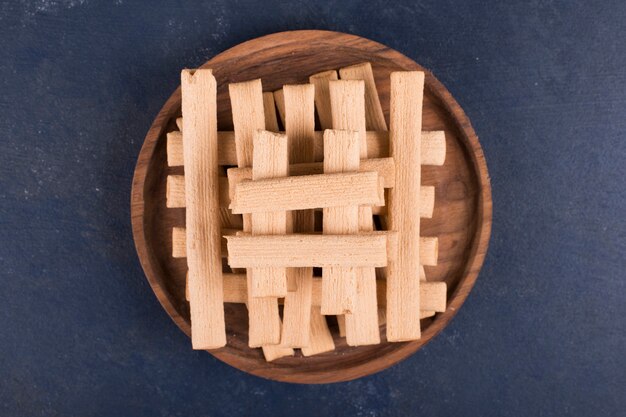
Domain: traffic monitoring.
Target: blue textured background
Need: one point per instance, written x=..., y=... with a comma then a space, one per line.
x=543, y=332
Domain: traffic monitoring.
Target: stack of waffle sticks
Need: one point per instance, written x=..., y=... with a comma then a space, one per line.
x=311, y=223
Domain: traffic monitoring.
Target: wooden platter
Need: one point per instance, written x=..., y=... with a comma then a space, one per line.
x=461, y=219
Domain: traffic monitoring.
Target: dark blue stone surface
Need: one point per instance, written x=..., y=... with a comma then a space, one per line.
x=543, y=332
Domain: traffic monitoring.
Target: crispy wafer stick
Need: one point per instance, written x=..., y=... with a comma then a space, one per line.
x=322, y=96
x=371, y=250
x=428, y=247
x=341, y=154
x=323, y=106
x=341, y=323
x=374, y=116
x=433, y=146
x=308, y=192
x=248, y=117
x=347, y=99
x=374, y=120
x=279, y=99
x=270, y=161
x=199, y=97
x=423, y=284
x=403, y=283
x=299, y=116
x=269, y=108
x=382, y=166
x=320, y=338
x=385, y=168
x=272, y=352
x=175, y=192
x=432, y=294
x=179, y=244
x=175, y=149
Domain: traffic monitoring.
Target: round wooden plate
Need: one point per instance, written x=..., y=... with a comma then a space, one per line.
x=461, y=220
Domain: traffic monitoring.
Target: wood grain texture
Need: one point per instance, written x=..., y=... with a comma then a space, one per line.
x=461, y=219
x=248, y=117
x=404, y=146
x=204, y=258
